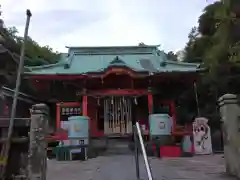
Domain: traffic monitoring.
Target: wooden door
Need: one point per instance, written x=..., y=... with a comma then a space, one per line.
x=117, y=115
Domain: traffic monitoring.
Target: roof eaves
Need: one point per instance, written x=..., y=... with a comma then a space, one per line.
x=182, y=71
x=69, y=60
x=32, y=68
x=197, y=65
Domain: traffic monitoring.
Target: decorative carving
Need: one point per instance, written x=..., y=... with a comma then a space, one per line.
x=117, y=61
x=118, y=71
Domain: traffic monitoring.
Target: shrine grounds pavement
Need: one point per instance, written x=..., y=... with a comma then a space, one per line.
x=122, y=167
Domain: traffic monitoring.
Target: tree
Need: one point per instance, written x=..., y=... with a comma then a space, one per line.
x=35, y=54
x=34, y=51
x=208, y=20
x=180, y=55
x=215, y=43
x=172, y=56
x=194, y=47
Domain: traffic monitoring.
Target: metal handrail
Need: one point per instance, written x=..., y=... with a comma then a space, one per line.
x=146, y=162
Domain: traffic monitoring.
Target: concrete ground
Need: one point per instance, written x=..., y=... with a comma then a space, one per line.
x=122, y=167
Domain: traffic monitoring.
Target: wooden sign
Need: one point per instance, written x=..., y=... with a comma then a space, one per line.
x=70, y=111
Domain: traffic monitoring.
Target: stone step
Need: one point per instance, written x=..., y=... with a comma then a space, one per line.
x=118, y=146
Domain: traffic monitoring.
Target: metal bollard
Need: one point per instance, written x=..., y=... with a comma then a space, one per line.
x=136, y=149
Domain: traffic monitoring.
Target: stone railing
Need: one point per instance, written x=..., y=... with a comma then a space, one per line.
x=230, y=117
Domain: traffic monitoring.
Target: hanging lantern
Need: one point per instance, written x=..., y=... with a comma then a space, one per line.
x=124, y=101
x=112, y=100
x=98, y=101
x=135, y=101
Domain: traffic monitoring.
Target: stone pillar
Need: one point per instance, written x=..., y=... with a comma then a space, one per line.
x=230, y=113
x=37, y=166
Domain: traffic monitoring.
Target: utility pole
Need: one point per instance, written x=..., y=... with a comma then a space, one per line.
x=6, y=147
x=1, y=21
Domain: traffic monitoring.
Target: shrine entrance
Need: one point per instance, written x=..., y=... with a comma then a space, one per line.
x=117, y=115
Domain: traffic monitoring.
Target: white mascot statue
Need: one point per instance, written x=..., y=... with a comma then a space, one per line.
x=202, y=136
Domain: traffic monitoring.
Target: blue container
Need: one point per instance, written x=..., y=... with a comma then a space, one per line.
x=78, y=127
x=160, y=124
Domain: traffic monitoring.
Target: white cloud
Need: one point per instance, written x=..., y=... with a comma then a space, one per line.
x=111, y=22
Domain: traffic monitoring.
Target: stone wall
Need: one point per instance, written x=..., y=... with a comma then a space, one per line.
x=230, y=118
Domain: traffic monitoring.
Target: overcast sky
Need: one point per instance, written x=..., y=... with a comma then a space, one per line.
x=61, y=23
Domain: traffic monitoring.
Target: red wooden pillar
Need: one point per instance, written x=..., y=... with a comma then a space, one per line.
x=58, y=114
x=174, y=115
x=85, y=112
x=84, y=106
x=150, y=103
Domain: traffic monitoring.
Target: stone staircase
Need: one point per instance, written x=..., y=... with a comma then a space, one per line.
x=118, y=146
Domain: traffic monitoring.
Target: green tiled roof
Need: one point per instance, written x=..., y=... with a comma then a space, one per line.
x=83, y=60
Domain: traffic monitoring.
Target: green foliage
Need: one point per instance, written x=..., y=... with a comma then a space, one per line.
x=208, y=20
x=35, y=54
x=172, y=56
x=216, y=44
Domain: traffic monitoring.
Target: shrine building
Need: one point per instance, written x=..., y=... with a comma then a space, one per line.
x=114, y=86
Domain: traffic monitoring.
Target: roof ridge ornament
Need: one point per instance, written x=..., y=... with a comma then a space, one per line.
x=117, y=60
x=163, y=63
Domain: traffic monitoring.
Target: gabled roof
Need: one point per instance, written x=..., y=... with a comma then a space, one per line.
x=84, y=60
